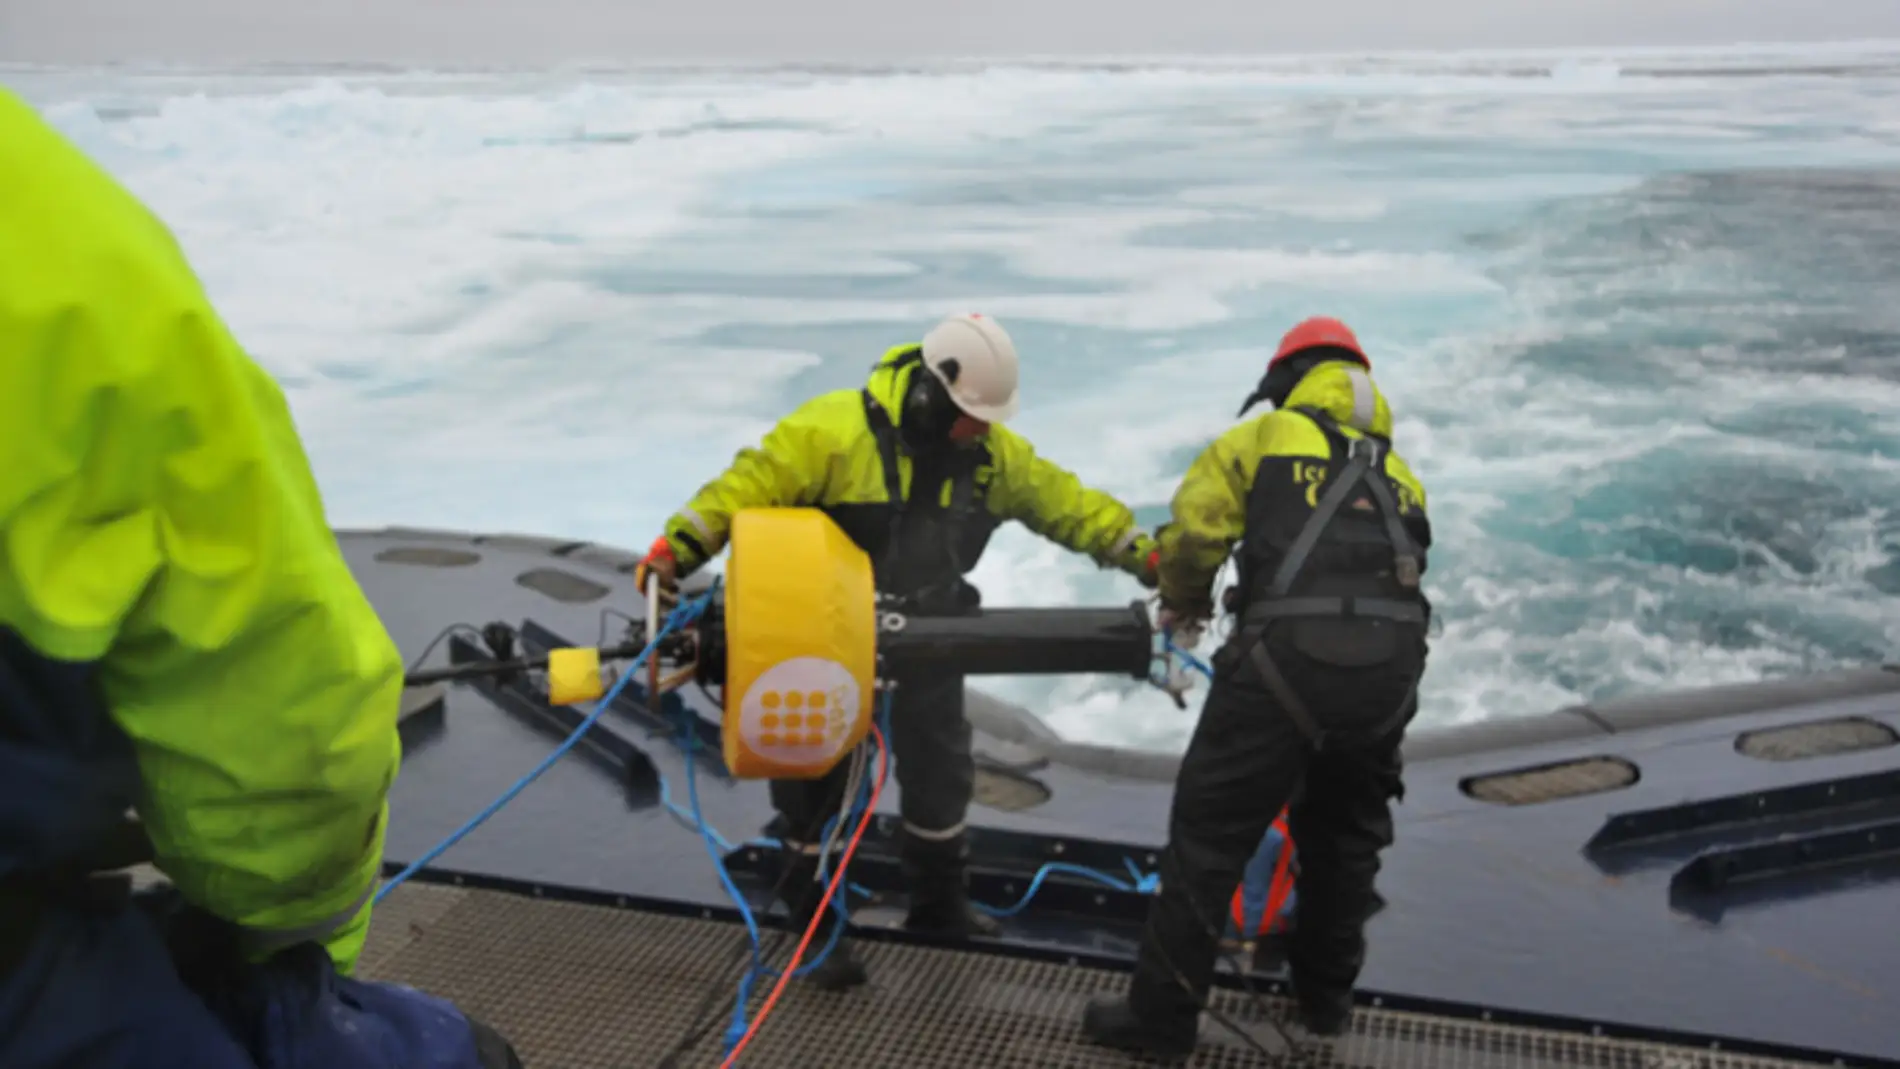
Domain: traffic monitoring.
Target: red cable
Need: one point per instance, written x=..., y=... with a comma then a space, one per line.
x=837, y=879
x=1282, y=885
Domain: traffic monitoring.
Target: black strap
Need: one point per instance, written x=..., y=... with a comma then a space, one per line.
x=1405, y=552
x=962, y=493
x=885, y=433
x=1323, y=513
x=1283, y=692
x=1296, y=708
x=962, y=502
x=1366, y=466
x=963, y=487
x=1404, y=612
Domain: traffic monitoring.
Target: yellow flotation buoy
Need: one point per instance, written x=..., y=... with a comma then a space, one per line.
x=801, y=645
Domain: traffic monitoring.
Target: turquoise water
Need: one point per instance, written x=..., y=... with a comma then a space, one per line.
x=1634, y=313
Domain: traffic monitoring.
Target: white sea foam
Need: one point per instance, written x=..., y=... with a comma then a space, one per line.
x=559, y=302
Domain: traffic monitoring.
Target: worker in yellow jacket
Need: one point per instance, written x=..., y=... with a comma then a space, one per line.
x=919, y=470
x=1312, y=691
x=180, y=638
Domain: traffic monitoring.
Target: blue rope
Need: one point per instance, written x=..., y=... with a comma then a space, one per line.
x=683, y=614
x=1139, y=882
x=1192, y=661
x=717, y=845
x=684, y=814
x=737, y=1029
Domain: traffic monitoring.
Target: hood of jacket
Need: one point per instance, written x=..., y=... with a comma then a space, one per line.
x=1346, y=392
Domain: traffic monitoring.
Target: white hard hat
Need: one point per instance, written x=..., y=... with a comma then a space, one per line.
x=976, y=361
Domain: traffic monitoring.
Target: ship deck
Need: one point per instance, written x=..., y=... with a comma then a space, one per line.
x=581, y=986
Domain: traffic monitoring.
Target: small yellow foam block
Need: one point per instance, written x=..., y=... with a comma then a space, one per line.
x=574, y=675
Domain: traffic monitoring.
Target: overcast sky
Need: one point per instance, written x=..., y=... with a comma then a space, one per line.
x=546, y=30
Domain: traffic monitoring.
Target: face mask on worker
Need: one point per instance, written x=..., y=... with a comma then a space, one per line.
x=931, y=419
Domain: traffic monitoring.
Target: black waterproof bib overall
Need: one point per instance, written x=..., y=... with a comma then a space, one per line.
x=1310, y=699
x=921, y=547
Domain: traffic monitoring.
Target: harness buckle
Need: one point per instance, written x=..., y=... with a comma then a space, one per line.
x=1405, y=566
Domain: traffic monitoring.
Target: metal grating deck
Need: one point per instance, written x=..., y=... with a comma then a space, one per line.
x=591, y=987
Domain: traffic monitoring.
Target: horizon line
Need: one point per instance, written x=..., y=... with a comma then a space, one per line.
x=1033, y=59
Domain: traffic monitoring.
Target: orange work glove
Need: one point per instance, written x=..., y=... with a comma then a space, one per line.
x=660, y=564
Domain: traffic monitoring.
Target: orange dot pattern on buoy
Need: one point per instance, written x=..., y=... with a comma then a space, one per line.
x=826, y=717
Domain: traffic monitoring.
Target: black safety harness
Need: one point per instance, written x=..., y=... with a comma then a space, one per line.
x=1364, y=467
x=962, y=476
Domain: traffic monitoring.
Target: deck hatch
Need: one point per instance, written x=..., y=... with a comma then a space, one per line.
x=1549, y=783
x=1823, y=738
x=428, y=556
x=562, y=585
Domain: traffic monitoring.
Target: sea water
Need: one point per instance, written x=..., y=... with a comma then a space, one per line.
x=1637, y=314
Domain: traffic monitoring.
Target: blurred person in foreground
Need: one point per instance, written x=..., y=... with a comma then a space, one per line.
x=188, y=673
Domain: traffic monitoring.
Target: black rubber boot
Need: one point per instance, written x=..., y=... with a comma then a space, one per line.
x=840, y=970
x=1323, y=1011
x=947, y=911
x=940, y=903
x=1112, y=1022
x=1325, y=953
